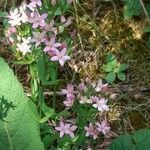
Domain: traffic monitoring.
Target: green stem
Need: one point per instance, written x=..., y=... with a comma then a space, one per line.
x=41, y=88
x=41, y=99
x=54, y=98
x=54, y=87
x=34, y=86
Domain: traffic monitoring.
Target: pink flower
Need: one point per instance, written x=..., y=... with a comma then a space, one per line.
x=69, y=102
x=38, y=38
x=100, y=86
x=91, y=130
x=50, y=27
x=61, y=57
x=51, y=45
x=14, y=18
x=81, y=86
x=63, y=45
x=37, y=20
x=66, y=22
x=94, y=99
x=10, y=31
x=103, y=127
x=66, y=128
x=69, y=91
x=35, y=3
x=24, y=18
x=101, y=105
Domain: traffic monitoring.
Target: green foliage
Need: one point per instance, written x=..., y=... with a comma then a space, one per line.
x=3, y=14
x=110, y=77
x=148, y=42
x=132, y=8
x=5, y=106
x=48, y=112
x=41, y=68
x=139, y=140
x=147, y=30
x=148, y=9
x=19, y=130
x=114, y=69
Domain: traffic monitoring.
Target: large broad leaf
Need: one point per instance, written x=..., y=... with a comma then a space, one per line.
x=139, y=140
x=19, y=128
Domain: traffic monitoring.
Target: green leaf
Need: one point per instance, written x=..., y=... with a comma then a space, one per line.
x=107, y=68
x=123, y=142
x=146, y=29
x=91, y=115
x=110, y=57
x=58, y=12
x=148, y=8
x=113, y=64
x=61, y=29
x=81, y=139
x=132, y=8
x=110, y=66
x=142, y=139
x=41, y=67
x=148, y=42
x=121, y=76
x=122, y=67
x=3, y=14
x=110, y=77
x=65, y=113
x=139, y=140
x=20, y=128
x=49, y=112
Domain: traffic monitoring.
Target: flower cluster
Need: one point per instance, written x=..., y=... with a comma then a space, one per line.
x=94, y=96
x=44, y=33
x=97, y=102
x=66, y=128
x=94, y=130
x=70, y=96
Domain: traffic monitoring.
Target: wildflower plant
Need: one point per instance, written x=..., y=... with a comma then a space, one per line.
x=39, y=36
x=114, y=69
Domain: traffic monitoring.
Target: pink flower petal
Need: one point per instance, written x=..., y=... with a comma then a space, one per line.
x=52, y=40
x=66, y=58
x=46, y=49
x=44, y=16
x=61, y=61
x=54, y=58
x=57, y=44
x=61, y=134
x=35, y=25
x=63, y=19
x=63, y=52
x=57, y=52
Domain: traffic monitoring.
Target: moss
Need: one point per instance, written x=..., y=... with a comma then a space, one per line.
x=137, y=120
